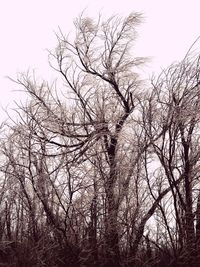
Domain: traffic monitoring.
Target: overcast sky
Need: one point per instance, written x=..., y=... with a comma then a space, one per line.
x=27, y=30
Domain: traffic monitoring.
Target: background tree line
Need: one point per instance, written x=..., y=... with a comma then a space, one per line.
x=102, y=168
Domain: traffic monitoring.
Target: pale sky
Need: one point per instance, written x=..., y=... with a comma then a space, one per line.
x=27, y=29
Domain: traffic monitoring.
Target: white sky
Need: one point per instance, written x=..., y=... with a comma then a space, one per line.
x=27, y=30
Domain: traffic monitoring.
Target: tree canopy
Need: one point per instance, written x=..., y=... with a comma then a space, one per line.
x=102, y=169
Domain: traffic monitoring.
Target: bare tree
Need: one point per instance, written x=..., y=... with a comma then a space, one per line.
x=177, y=105
x=90, y=160
x=99, y=72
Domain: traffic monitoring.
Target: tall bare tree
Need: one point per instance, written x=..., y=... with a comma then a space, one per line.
x=90, y=160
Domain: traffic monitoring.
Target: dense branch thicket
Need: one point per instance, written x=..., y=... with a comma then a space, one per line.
x=103, y=170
